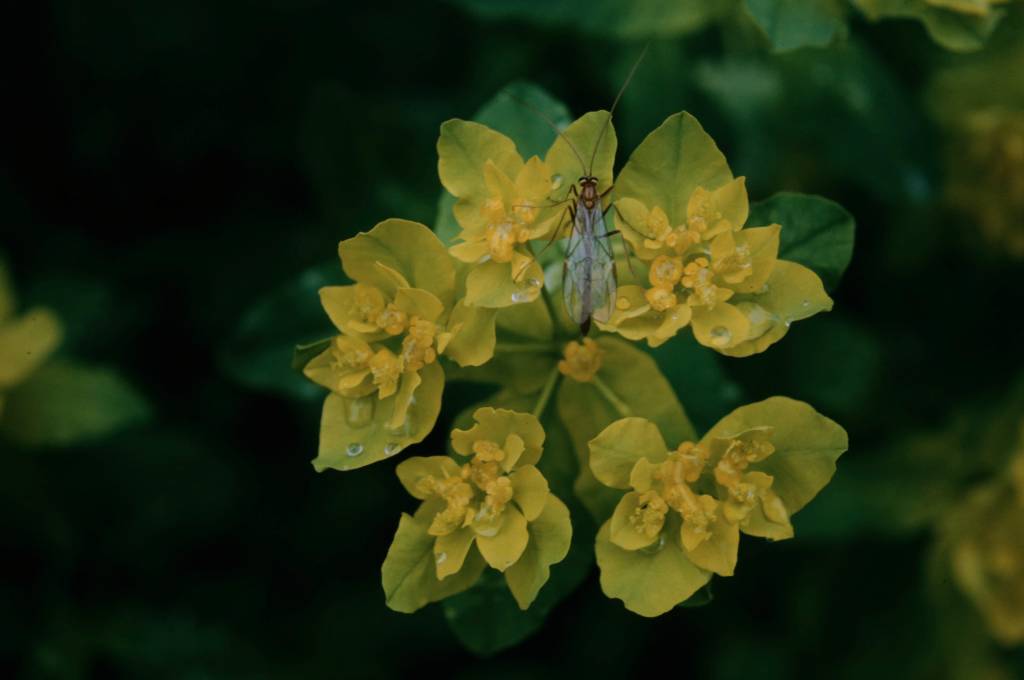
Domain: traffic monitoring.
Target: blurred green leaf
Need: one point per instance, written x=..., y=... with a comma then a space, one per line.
x=792, y=24
x=816, y=232
x=625, y=20
x=486, y=618
x=64, y=403
x=262, y=352
x=518, y=111
x=957, y=31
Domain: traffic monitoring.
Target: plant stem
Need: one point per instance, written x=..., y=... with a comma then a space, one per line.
x=620, y=406
x=546, y=392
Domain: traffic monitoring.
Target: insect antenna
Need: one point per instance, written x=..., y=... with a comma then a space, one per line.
x=622, y=90
x=551, y=124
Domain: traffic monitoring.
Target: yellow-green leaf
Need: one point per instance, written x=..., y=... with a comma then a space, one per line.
x=408, y=248
x=25, y=343
x=651, y=581
x=550, y=536
x=584, y=137
x=530, y=491
x=354, y=432
x=505, y=547
x=408, y=574
x=474, y=335
x=615, y=451
x=807, y=445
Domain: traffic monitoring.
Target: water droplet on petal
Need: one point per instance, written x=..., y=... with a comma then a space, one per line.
x=391, y=448
x=556, y=181
x=720, y=336
x=359, y=412
x=655, y=547
x=353, y=450
x=440, y=558
x=534, y=283
x=519, y=296
x=805, y=303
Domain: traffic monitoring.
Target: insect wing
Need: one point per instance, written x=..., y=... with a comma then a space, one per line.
x=603, y=284
x=576, y=271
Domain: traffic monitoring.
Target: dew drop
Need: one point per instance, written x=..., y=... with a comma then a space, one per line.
x=519, y=296
x=655, y=547
x=534, y=283
x=391, y=448
x=720, y=336
x=359, y=412
x=805, y=303
x=354, y=449
x=556, y=181
x=440, y=558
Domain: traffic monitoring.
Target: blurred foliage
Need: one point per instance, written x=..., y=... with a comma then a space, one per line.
x=178, y=175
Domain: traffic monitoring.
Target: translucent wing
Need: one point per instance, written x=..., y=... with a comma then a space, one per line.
x=602, y=277
x=588, y=284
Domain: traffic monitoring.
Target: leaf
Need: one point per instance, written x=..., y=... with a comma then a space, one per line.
x=550, y=538
x=670, y=164
x=486, y=618
x=408, y=574
x=816, y=232
x=355, y=433
x=618, y=447
x=628, y=21
x=634, y=385
x=258, y=352
x=792, y=24
x=807, y=445
x=956, y=31
x=650, y=581
x=522, y=124
x=66, y=403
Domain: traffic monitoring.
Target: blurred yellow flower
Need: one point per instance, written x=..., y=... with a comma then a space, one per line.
x=582, y=360
x=26, y=341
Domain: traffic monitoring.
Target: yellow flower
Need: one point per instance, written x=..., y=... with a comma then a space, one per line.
x=493, y=509
x=505, y=202
x=710, y=272
x=26, y=342
x=684, y=509
x=394, y=321
x=582, y=360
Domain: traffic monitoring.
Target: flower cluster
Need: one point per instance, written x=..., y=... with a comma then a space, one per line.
x=482, y=309
x=686, y=507
x=495, y=509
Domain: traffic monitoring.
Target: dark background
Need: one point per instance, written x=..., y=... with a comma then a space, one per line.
x=171, y=164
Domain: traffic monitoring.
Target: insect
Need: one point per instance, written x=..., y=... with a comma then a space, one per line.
x=589, y=277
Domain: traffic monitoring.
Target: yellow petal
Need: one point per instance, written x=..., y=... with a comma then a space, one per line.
x=472, y=251
x=793, y=293
x=410, y=249
x=807, y=445
x=503, y=284
x=474, y=337
x=583, y=135
x=651, y=581
x=763, y=244
x=412, y=471
x=718, y=551
x=496, y=425
x=720, y=328
x=354, y=432
x=618, y=447
x=421, y=303
x=463, y=149
x=530, y=491
x=26, y=343
x=409, y=575
x=622, y=532
x=450, y=551
x=550, y=537
x=506, y=546
x=670, y=164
